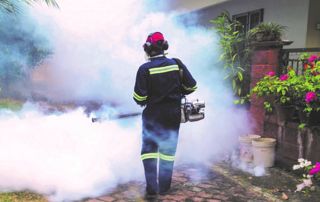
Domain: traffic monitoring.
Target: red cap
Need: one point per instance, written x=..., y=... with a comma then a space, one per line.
x=155, y=37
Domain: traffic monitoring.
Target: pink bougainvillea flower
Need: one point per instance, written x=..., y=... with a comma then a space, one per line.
x=312, y=58
x=315, y=169
x=284, y=77
x=310, y=96
x=272, y=73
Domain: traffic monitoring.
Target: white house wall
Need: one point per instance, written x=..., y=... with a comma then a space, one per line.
x=189, y=5
x=291, y=13
x=313, y=34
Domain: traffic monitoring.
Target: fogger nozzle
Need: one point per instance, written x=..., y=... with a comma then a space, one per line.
x=119, y=116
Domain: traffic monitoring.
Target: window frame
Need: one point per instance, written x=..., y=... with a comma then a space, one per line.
x=248, y=16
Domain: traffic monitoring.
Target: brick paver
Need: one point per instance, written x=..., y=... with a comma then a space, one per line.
x=189, y=184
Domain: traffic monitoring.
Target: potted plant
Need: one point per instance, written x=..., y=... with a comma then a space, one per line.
x=266, y=31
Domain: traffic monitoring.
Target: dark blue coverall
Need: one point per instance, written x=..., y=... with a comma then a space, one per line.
x=160, y=87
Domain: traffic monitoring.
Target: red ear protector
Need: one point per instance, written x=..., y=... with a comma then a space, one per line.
x=155, y=42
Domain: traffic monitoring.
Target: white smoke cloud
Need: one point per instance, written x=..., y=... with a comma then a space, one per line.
x=98, y=49
x=65, y=156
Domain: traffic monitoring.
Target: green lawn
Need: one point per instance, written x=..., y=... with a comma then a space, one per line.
x=14, y=105
x=21, y=197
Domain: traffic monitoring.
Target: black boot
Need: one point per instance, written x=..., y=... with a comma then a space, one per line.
x=150, y=169
x=165, y=176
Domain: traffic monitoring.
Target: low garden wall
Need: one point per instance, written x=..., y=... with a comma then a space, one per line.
x=292, y=142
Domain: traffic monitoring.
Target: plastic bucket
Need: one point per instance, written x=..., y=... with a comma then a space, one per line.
x=264, y=152
x=246, y=153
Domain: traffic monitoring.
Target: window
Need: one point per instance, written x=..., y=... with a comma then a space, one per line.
x=250, y=19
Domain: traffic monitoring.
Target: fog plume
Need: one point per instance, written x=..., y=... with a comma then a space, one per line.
x=97, y=49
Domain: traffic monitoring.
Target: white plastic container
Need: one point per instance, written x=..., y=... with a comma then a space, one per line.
x=264, y=152
x=246, y=152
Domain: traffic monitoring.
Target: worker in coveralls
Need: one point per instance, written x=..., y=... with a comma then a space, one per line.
x=160, y=85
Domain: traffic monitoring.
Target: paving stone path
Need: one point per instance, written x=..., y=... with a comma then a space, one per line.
x=189, y=184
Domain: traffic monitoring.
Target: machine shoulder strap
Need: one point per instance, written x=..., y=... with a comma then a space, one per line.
x=179, y=63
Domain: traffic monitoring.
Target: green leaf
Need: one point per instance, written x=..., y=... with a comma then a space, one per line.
x=240, y=76
x=301, y=125
x=233, y=84
x=234, y=57
x=279, y=89
x=240, y=68
x=239, y=91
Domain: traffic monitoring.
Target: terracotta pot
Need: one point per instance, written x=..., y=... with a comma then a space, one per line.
x=259, y=36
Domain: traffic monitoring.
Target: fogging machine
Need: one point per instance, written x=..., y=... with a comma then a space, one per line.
x=192, y=110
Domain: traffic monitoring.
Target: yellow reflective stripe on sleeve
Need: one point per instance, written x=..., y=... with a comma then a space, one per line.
x=190, y=89
x=149, y=156
x=159, y=70
x=166, y=157
x=139, y=98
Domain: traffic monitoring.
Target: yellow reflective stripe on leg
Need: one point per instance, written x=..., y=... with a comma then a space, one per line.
x=166, y=157
x=149, y=156
x=138, y=97
x=159, y=70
